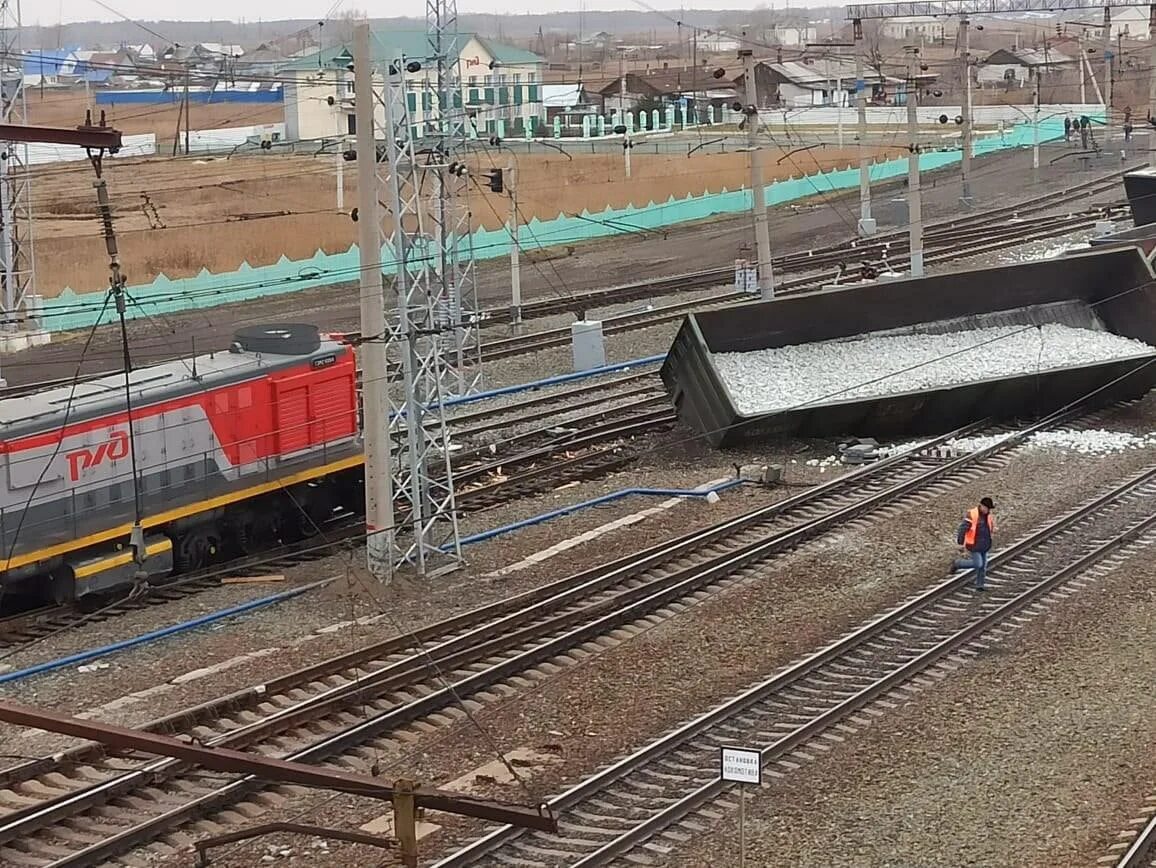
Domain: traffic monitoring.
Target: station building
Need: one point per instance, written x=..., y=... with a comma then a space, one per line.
x=500, y=83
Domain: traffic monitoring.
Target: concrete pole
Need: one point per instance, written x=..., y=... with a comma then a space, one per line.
x=758, y=186
x=1083, y=59
x=965, y=162
x=1152, y=84
x=627, y=147
x=515, y=262
x=866, y=222
x=839, y=108
x=1036, y=133
x=379, y=545
x=1107, y=74
x=1095, y=83
x=914, y=198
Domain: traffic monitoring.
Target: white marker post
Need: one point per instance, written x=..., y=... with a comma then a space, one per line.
x=742, y=766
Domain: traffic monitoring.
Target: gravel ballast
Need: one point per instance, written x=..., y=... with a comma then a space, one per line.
x=779, y=378
x=1035, y=755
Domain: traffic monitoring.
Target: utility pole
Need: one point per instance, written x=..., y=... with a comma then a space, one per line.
x=866, y=222
x=627, y=144
x=515, y=252
x=839, y=104
x=758, y=186
x=965, y=163
x=341, y=161
x=914, y=198
x=186, y=111
x=1082, y=60
x=379, y=520
x=1107, y=74
x=1036, y=133
x=116, y=282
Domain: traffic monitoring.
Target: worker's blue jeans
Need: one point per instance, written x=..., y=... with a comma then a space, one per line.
x=979, y=564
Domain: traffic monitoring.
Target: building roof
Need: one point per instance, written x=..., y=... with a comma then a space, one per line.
x=391, y=44
x=509, y=53
x=1030, y=57
x=668, y=81
x=818, y=72
x=43, y=62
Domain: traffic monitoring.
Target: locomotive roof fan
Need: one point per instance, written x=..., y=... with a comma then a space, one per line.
x=281, y=339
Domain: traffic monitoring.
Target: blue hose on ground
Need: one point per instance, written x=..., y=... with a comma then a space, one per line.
x=555, y=380
x=597, y=501
x=164, y=632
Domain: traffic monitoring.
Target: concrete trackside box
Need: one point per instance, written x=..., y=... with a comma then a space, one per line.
x=974, y=324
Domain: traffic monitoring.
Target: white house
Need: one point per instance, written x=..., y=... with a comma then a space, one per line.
x=793, y=37
x=501, y=86
x=1128, y=22
x=1004, y=68
x=926, y=27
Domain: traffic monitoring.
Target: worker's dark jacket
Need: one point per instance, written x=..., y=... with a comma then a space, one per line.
x=975, y=531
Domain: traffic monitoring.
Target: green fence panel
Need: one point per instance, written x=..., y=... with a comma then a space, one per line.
x=71, y=310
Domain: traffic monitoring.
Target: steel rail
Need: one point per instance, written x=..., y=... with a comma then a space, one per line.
x=639, y=601
x=1143, y=848
x=804, y=733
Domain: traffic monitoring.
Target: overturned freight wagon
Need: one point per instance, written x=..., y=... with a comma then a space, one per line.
x=921, y=355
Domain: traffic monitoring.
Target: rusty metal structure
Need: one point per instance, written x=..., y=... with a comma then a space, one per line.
x=406, y=796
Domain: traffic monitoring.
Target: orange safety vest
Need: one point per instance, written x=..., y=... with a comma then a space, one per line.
x=973, y=525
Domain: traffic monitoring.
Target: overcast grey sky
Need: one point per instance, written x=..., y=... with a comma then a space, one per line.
x=46, y=12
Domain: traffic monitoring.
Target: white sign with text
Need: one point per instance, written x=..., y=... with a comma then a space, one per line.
x=742, y=765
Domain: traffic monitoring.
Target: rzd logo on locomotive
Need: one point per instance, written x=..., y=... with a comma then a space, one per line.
x=80, y=460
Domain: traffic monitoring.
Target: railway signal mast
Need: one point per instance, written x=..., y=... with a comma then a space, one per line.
x=17, y=268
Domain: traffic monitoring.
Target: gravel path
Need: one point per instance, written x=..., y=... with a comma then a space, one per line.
x=1034, y=756
x=624, y=696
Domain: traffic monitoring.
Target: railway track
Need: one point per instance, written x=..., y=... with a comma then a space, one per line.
x=377, y=698
x=826, y=256
x=1135, y=846
x=940, y=246
x=640, y=808
x=582, y=447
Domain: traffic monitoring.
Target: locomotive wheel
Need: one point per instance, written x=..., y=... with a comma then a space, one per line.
x=257, y=533
x=62, y=586
x=195, y=550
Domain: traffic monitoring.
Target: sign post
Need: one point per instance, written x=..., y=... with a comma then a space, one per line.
x=742, y=766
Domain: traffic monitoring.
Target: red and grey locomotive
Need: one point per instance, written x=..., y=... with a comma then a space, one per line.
x=233, y=451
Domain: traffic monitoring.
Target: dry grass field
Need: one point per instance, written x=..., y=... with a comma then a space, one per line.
x=65, y=108
x=215, y=212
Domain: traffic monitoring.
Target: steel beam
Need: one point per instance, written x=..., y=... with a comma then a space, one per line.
x=83, y=137
x=270, y=769
x=944, y=8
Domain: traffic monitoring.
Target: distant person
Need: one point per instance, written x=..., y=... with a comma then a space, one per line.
x=1085, y=131
x=1067, y=128
x=975, y=534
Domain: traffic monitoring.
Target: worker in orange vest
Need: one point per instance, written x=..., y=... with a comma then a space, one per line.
x=975, y=534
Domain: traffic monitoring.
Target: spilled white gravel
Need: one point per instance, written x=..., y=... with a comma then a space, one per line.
x=764, y=381
x=1095, y=441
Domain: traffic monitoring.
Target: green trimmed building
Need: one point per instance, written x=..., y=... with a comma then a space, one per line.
x=501, y=86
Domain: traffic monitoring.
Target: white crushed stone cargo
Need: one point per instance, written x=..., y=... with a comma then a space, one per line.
x=1095, y=441
x=782, y=378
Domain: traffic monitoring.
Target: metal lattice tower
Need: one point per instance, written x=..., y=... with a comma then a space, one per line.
x=444, y=142
x=17, y=271
x=419, y=341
